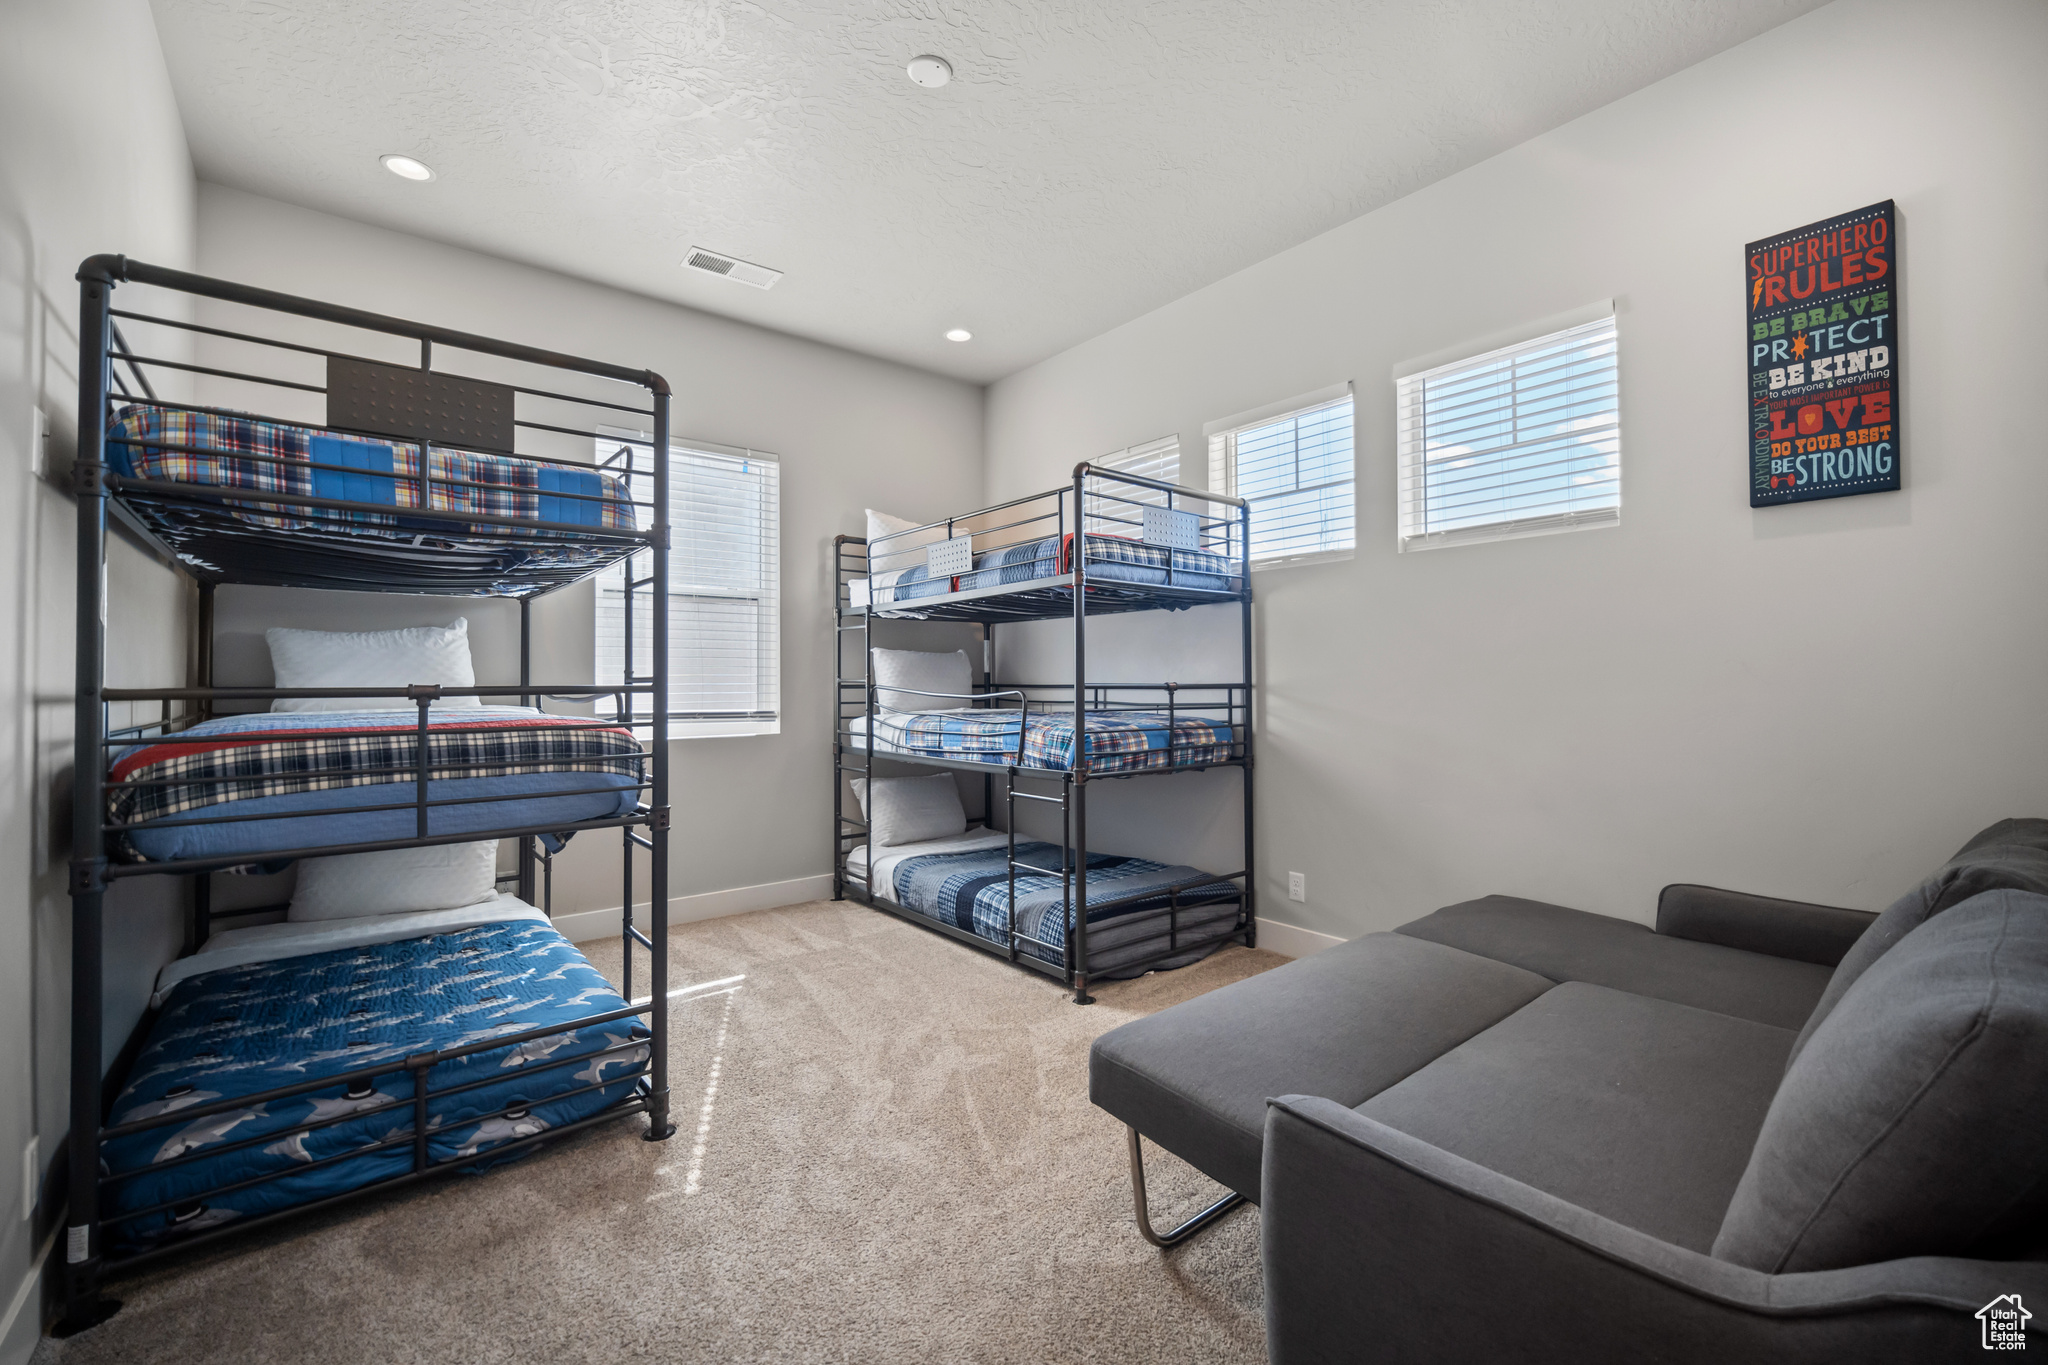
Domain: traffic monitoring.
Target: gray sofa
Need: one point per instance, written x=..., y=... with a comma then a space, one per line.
x=1512, y=1131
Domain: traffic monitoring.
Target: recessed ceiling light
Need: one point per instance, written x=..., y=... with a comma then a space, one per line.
x=407, y=168
x=929, y=71
x=959, y=334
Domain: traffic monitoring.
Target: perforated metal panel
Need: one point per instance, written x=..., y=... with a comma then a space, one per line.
x=1174, y=529
x=420, y=405
x=951, y=557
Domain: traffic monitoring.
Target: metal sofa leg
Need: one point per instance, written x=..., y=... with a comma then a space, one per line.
x=1163, y=1240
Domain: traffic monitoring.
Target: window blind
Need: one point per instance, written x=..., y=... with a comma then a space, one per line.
x=1521, y=441
x=1116, y=514
x=724, y=587
x=1296, y=472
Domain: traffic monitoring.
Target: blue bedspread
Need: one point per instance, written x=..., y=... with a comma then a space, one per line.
x=243, y=1030
x=971, y=891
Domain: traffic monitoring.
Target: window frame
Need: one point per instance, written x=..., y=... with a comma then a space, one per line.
x=1410, y=438
x=1222, y=437
x=687, y=724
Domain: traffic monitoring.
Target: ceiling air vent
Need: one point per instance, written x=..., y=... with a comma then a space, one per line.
x=743, y=272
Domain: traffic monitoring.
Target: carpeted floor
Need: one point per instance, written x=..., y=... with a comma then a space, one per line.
x=885, y=1153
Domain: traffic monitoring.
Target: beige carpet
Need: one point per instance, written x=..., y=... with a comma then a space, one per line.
x=885, y=1153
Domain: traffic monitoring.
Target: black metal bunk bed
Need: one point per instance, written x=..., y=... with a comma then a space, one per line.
x=1112, y=542
x=493, y=524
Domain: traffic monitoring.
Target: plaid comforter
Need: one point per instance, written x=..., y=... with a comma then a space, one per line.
x=971, y=891
x=1055, y=555
x=1117, y=741
x=216, y=450
x=261, y=755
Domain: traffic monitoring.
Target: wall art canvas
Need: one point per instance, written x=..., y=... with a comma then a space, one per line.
x=1824, y=359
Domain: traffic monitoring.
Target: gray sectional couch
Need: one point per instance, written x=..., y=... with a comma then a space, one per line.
x=1511, y=1131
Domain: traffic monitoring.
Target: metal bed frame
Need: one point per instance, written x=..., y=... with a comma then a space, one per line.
x=1099, y=503
x=205, y=531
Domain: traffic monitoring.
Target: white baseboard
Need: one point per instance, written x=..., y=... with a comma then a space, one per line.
x=19, y=1334
x=1291, y=940
x=589, y=924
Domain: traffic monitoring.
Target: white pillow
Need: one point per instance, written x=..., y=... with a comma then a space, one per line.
x=910, y=810
x=370, y=658
x=949, y=673
x=903, y=551
x=393, y=881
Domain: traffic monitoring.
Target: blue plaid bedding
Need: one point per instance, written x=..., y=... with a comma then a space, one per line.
x=335, y=765
x=1110, y=558
x=215, y=449
x=242, y=1030
x=1118, y=741
x=971, y=891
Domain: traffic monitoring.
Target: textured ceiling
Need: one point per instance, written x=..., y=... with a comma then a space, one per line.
x=1089, y=162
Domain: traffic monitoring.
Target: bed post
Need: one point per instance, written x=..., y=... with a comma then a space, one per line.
x=1080, y=756
x=1244, y=570
x=871, y=705
x=205, y=649
x=658, y=1125
x=526, y=863
x=988, y=781
x=83, y=1306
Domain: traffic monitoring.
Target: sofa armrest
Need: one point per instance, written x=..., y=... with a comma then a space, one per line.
x=1377, y=1243
x=1760, y=924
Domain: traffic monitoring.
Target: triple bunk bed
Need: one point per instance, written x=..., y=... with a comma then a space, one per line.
x=284, y=1066
x=1111, y=542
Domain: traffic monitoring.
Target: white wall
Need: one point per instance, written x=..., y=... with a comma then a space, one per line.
x=1818, y=701
x=851, y=431
x=86, y=166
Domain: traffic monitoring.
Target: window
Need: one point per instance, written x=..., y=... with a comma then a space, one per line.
x=1517, y=442
x=1295, y=469
x=1115, y=515
x=724, y=589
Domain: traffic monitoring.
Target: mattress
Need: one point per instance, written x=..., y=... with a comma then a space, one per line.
x=214, y=450
x=312, y=776
x=242, y=1029
x=964, y=882
x=1110, y=559
x=1117, y=741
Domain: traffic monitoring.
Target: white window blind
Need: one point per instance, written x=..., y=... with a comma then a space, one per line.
x=1116, y=514
x=1521, y=441
x=1296, y=472
x=724, y=589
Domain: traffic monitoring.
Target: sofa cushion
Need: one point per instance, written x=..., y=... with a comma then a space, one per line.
x=1635, y=1108
x=1912, y=1123
x=1346, y=1023
x=2010, y=855
x=1571, y=945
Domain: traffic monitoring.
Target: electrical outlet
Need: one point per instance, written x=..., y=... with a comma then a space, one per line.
x=31, y=1176
x=1297, y=887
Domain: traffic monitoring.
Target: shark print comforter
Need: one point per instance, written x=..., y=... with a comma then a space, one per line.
x=244, y=1030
